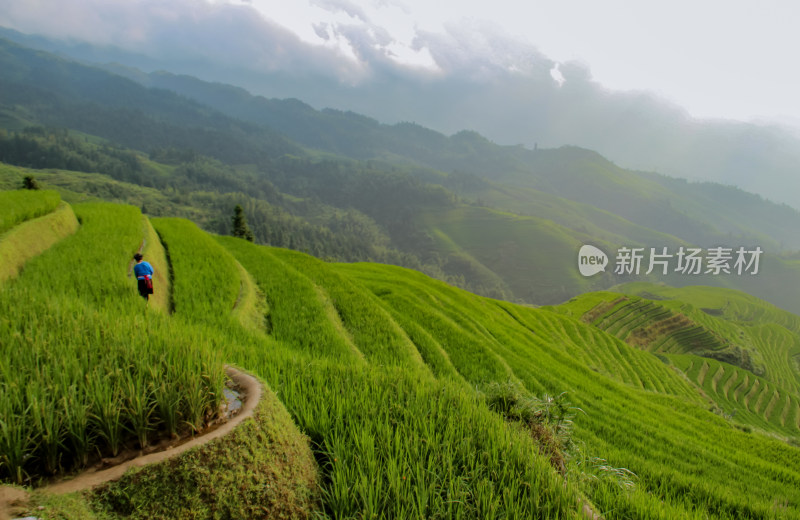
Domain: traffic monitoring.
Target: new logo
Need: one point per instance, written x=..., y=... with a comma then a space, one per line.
x=591, y=260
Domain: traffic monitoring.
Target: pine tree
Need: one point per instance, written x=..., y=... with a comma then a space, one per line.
x=29, y=183
x=240, y=228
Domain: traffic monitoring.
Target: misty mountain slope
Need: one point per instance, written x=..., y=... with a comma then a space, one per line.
x=571, y=173
x=525, y=252
x=698, y=213
x=671, y=207
x=41, y=88
x=378, y=208
x=731, y=209
x=536, y=258
x=517, y=103
x=599, y=224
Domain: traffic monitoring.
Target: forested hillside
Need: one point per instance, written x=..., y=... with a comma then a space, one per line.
x=501, y=221
x=697, y=212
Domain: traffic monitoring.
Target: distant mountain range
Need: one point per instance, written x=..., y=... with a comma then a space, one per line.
x=634, y=129
x=505, y=221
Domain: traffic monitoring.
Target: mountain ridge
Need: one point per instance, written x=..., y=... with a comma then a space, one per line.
x=636, y=129
x=464, y=151
x=396, y=179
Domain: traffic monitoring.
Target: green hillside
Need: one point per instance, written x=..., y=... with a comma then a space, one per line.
x=696, y=212
x=523, y=255
x=342, y=186
x=31, y=222
x=742, y=353
x=418, y=399
x=601, y=225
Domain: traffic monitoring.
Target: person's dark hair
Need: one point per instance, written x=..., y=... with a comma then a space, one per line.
x=137, y=257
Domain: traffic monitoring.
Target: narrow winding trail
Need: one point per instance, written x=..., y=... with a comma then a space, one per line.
x=251, y=388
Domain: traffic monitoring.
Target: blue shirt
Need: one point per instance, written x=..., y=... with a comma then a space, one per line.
x=142, y=268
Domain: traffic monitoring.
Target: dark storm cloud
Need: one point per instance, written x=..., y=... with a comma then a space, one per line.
x=238, y=36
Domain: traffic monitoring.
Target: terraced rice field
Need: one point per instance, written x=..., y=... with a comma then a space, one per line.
x=21, y=205
x=79, y=376
x=385, y=370
x=652, y=326
x=750, y=399
x=760, y=391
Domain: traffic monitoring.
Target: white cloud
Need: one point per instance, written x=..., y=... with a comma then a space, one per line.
x=555, y=73
x=351, y=9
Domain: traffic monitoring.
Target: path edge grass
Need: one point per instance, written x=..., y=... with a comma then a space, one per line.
x=264, y=468
x=155, y=253
x=33, y=237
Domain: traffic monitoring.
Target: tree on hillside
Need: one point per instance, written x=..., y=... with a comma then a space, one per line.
x=240, y=228
x=29, y=183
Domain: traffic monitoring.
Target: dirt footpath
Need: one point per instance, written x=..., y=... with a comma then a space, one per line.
x=13, y=501
x=249, y=386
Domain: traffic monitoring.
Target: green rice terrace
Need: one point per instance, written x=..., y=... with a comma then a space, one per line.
x=388, y=394
x=741, y=353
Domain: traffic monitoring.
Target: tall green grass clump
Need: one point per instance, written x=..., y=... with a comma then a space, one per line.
x=208, y=283
x=85, y=367
x=20, y=205
x=301, y=313
x=549, y=419
x=640, y=416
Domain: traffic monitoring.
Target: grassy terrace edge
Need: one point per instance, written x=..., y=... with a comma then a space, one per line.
x=32, y=237
x=87, y=370
x=381, y=374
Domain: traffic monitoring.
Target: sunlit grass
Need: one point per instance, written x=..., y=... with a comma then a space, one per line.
x=17, y=206
x=385, y=370
x=82, y=359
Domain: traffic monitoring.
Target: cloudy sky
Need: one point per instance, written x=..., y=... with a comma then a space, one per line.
x=715, y=58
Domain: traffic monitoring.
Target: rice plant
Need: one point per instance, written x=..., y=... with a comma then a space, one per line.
x=81, y=359
x=396, y=434
x=21, y=205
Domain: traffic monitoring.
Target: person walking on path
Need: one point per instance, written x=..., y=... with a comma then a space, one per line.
x=144, y=276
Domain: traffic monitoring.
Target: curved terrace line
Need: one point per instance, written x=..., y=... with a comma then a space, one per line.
x=91, y=478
